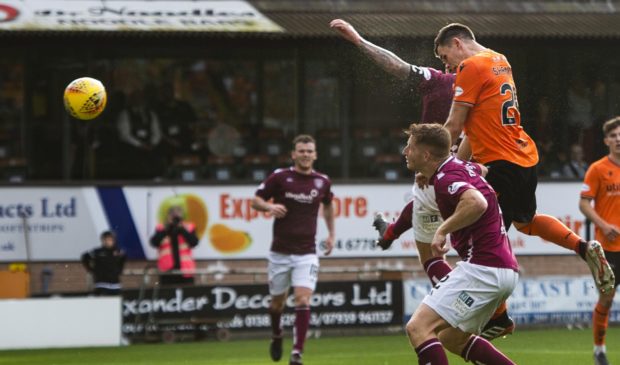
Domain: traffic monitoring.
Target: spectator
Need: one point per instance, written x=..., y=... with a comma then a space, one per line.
x=556, y=164
x=175, y=240
x=223, y=140
x=139, y=130
x=576, y=166
x=105, y=264
x=177, y=118
x=579, y=112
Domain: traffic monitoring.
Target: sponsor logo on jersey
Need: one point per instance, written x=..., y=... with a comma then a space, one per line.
x=612, y=187
x=458, y=91
x=301, y=197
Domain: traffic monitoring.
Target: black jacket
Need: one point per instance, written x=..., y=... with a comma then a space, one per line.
x=106, y=265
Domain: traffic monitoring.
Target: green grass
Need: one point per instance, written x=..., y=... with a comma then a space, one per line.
x=546, y=347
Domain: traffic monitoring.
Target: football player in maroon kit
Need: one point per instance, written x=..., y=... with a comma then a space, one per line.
x=293, y=197
x=458, y=307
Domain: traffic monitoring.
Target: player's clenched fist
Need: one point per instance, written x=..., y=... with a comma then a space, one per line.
x=346, y=30
x=438, y=246
x=277, y=210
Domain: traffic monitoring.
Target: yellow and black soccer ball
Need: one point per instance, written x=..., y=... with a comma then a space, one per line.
x=85, y=98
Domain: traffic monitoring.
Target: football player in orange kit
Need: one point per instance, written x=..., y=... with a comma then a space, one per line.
x=601, y=185
x=486, y=108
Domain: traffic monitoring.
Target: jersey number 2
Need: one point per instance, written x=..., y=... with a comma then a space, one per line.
x=507, y=119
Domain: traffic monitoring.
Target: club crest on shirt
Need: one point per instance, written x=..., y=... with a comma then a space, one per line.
x=455, y=186
x=318, y=183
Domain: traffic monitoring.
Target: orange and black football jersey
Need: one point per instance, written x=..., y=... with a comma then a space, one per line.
x=493, y=124
x=602, y=183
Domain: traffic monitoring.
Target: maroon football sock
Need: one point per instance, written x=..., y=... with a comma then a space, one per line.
x=403, y=222
x=436, y=268
x=431, y=353
x=302, y=322
x=276, y=326
x=480, y=351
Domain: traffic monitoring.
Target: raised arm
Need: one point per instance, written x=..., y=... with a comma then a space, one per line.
x=385, y=59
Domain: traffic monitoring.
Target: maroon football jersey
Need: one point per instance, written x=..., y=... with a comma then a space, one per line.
x=485, y=241
x=437, y=89
x=301, y=194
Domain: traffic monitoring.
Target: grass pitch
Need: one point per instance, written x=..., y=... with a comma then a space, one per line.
x=545, y=347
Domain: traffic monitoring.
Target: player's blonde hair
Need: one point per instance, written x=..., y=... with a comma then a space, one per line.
x=610, y=125
x=432, y=135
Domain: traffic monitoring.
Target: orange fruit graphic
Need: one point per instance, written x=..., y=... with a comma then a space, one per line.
x=195, y=211
x=228, y=240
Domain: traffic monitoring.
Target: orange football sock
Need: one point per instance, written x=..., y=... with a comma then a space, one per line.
x=551, y=229
x=500, y=310
x=600, y=319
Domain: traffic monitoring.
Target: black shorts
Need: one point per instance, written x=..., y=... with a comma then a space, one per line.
x=613, y=257
x=516, y=190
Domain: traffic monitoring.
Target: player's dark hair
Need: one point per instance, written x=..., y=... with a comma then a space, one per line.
x=610, y=125
x=432, y=135
x=302, y=138
x=106, y=234
x=454, y=30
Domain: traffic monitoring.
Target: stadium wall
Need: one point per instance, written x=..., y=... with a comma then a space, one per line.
x=70, y=277
x=50, y=227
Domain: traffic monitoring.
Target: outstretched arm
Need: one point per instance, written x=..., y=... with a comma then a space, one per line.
x=385, y=59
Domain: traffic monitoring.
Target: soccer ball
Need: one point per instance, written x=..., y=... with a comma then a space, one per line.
x=85, y=98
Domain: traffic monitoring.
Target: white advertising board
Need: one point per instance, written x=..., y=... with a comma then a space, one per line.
x=63, y=222
x=60, y=322
x=538, y=300
x=49, y=223
x=115, y=15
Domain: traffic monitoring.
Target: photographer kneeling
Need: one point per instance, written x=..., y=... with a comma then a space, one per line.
x=175, y=241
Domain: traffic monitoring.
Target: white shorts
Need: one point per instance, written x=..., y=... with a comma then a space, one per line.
x=292, y=270
x=426, y=216
x=469, y=295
